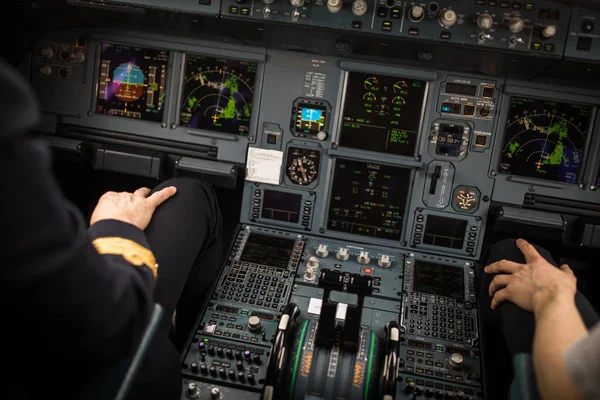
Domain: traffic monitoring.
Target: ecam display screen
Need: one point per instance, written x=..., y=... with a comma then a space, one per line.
x=272, y=251
x=217, y=94
x=382, y=113
x=439, y=280
x=281, y=206
x=445, y=232
x=310, y=119
x=131, y=82
x=545, y=139
x=368, y=199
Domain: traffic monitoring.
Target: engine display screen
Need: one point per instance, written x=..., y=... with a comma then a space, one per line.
x=545, y=139
x=272, y=251
x=368, y=199
x=310, y=119
x=445, y=232
x=449, y=140
x=439, y=280
x=131, y=82
x=217, y=94
x=281, y=206
x=382, y=113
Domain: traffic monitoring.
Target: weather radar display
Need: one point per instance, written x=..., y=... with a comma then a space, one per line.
x=131, y=82
x=545, y=139
x=217, y=94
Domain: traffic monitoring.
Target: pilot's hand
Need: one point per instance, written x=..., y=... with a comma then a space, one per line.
x=133, y=208
x=532, y=284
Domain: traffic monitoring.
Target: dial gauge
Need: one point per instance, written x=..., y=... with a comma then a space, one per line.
x=372, y=84
x=398, y=101
x=303, y=165
x=400, y=87
x=466, y=199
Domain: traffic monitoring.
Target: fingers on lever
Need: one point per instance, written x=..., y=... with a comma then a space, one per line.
x=142, y=192
x=530, y=253
x=157, y=198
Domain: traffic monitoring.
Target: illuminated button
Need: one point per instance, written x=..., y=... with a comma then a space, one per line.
x=367, y=271
x=245, y=11
x=549, y=47
x=234, y=10
x=536, y=46
x=386, y=26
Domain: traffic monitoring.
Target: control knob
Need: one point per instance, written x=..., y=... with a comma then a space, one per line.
x=384, y=261
x=516, y=25
x=77, y=57
x=485, y=21
x=192, y=391
x=266, y=11
x=45, y=70
x=342, y=254
x=448, y=18
x=334, y=5
x=310, y=275
x=587, y=26
x=313, y=263
x=549, y=31
x=410, y=387
x=322, y=135
x=47, y=52
x=416, y=13
x=254, y=324
x=297, y=3
x=295, y=14
x=456, y=361
x=322, y=251
x=215, y=393
x=359, y=7
x=363, y=258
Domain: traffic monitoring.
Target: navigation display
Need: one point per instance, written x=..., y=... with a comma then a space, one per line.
x=545, y=139
x=368, y=199
x=439, y=280
x=272, y=251
x=217, y=94
x=131, y=82
x=382, y=113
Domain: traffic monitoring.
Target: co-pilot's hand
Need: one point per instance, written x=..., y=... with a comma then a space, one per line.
x=133, y=208
x=522, y=284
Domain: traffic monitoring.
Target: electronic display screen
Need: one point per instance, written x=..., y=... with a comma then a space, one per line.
x=449, y=140
x=445, y=232
x=545, y=139
x=272, y=251
x=382, y=113
x=131, y=82
x=439, y=280
x=310, y=118
x=217, y=94
x=368, y=199
x=281, y=206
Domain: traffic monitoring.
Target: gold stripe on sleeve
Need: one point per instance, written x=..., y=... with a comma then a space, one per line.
x=134, y=253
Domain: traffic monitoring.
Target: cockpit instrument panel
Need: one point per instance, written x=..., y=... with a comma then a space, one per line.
x=368, y=199
x=545, y=139
x=303, y=165
x=217, y=94
x=382, y=113
x=131, y=82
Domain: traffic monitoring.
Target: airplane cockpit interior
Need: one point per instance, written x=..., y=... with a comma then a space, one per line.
x=365, y=154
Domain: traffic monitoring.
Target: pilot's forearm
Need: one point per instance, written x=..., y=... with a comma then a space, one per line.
x=557, y=326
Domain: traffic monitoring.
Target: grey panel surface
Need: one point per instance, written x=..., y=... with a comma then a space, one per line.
x=583, y=41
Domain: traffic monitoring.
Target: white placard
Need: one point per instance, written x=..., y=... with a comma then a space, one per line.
x=314, y=307
x=340, y=312
x=264, y=165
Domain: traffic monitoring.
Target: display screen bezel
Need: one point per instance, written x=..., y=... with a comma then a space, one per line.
x=463, y=221
x=463, y=285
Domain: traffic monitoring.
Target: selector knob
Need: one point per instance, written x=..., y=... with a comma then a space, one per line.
x=456, y=361
x=229, y=353
x=253, y=325
x=266, y=11
x=322, y=135
x=448, y=18
x=240, y=364
x=47, y=52
x=485, y=21
x=549, y=31
x=384, y=261
x=256, y=358
x=215, y=393
x=342, y=254
x=516, y=25
x=77, y=57
x=222, y=372
x=194, y=367
x=297, y=3
x=334, y=5
x=45, y=70
x=220, y=351
x=192, y=391
x=322, y=251
x=295, y=14
x=310, y=275
x=410, y=387
x=416, y=13
x=203, y=369
x=359, y=7
x=313, y=263
x=363, y=258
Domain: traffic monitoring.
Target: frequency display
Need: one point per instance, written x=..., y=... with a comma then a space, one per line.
x=217, y=94
x=439, y=280
x=545, y=139
x=267, y=250
x=382, y=113
x=131, y=82
x=368, y=199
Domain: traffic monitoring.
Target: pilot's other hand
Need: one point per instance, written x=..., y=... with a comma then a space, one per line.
x=530, y=285
x=133, y=208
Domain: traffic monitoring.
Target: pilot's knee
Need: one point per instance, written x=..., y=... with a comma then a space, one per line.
x=194, y=189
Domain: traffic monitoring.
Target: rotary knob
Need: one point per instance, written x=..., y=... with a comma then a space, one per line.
x=192, y=391
x=266, y=11
x=359, y=7
x=322, y=251
x=334, y=5
x=485, y=21
x=77, y=57
x=322, y=135
x=45, y=70
x=342, y=254
x=384, y=261
x=215, y=393
x=448, y=18
x=456, y=361
x=416, y=13
x=363, y=258
x=549, y=31
x=254, y=323
x=310, y=275
x=297, y=3
x=47, y=52
x=516, y=25
x=313, y=263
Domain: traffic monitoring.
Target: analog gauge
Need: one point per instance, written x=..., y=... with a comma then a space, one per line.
x=369, y=97
x=302, y=165
x=398, y=101
x=372, y=84
x=466, y=199
x=400, y=87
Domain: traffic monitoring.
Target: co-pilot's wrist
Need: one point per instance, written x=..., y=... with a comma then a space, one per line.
x=551, y=297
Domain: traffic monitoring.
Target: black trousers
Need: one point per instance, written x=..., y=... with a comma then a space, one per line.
x=185, y=237
x=509, y=324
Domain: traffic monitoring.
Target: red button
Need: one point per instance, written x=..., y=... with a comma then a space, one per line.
x=368, y=271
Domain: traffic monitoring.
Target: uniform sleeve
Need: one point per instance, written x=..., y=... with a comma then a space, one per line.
x=583, y=363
